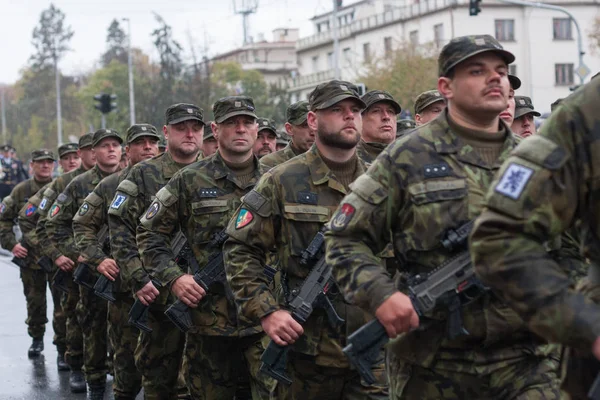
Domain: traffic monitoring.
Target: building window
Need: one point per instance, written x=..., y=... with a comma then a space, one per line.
x=315, y=64
x=512, y=69
x=563, y=74
x=330, y=60
x=367, y=52
x=387, y=45
x=438, y=34
x=347, y=56
x=562, y=29
x=414, y=38
x=505, y=30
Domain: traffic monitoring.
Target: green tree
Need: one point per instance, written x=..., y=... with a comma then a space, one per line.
x=116, y=42
x=171, y=66
x=50, y=38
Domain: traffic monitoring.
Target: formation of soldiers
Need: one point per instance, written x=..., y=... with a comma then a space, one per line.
x=223, y=268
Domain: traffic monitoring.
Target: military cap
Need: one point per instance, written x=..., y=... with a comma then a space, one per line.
x=208, y=132
x=464, y=47
x=376, y=96
x=42, y=154
x=6, y=147
x=232, y=106
x=266, y=124
x=297, y=112
x=556, y=103
x=329, y=93
x=140, y=130
x=162, y=144
x=183, y=112
x=524, y=105
x=404, y=125
x=515, y=82
x=101, y=134
x=426, y=99
x=67, y=148
x=283, y=138
x=86, y=140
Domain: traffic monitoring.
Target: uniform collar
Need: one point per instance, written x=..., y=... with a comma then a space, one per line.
x=320, y=172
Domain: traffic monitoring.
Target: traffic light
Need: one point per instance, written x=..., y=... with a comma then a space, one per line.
x=105, y=102
x=474, y=7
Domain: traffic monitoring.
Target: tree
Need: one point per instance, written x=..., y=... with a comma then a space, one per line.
x=171, y=66
x=115, y=41
x=50, y=38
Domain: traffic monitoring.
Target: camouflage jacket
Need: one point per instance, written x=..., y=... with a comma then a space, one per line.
x=550, y=183
x=134, y=195
x=49, y=196
x=289, y=206
x=92, y=217
x=9, y=212
x=28, y=218
x=279, y=157
x=200, y=201
x=60, y=217
x=419, y=187
x=369, y=151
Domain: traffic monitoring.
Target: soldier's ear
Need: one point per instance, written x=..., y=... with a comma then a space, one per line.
x=445, y=87
x=311, y=119
x=215, y=129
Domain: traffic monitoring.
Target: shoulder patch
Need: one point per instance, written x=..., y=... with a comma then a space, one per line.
x=244, y=218
x=50, y=194
x=30, y=210
x=152, y=210
x=2, y=208
x=514, y=180
x=118, y=201
x=94, y=199
x=85, y=207
x=369, y=189
x=128, y=187
x=541, y=151
x=166, y=197
x=61, y=198
x=255, y=200
x=43, y=203
x=54, y=210
x=342, y=217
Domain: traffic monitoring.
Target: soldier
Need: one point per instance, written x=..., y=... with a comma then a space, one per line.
x=545, y=188
x=158, y=354
x=523, y=125
x=379, y=124
x=508, y=114
x=403, y=126
x=13, y=171
x=28, y=219
x=209, y=143
x=267, y=136
x=142, y=144
x=281, y=142
x=297, y=128
x=162, y=146
x=284, y=212
x=428, y=106
x=91, y=310
x=74, y=342
x=421, y=187
x=32, y=275
x=200, y=201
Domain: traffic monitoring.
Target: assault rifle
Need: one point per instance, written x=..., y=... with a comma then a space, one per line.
x=450, y=286
x=45, y=262
x=83, y=274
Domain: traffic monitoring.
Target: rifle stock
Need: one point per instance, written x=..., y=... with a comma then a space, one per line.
x=84, y=276
x=104, y=289
x=60, y=280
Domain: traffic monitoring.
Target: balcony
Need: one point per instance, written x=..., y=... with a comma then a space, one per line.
x=310, y=81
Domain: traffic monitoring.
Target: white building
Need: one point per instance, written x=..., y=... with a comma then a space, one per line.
x=543, y=41
x=276, y=60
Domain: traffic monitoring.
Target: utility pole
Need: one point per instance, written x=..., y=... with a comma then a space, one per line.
x=246, y=7
x=336, y=40
x=3, y=112
x=58, y=105
x=130, y=66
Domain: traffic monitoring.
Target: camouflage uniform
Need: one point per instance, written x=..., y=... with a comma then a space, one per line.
x=200, y=200
x=12, y=173
x=289, y=205
x=158, y=354
x=547, y=186
x=33, y=277
x=426, y=99
x=422, y=185
x=91, y=310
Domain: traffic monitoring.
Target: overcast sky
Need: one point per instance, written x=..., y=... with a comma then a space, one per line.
x=89, y=19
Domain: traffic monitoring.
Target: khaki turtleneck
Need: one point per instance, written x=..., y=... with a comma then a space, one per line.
x=243, y=171
x=345, y=171
x=487, y=145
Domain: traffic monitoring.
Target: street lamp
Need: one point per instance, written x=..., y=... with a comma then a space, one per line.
x=130, y=67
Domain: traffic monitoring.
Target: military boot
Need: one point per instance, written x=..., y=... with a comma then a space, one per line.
x=77, y=381
x=96, y=392
x=60, y=361
x=36, y=348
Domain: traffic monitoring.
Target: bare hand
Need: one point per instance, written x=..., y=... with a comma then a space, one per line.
x=187, y=290
x=108, y=267
x=64, y=263
x=397, y=315
x=147, y=294
x=281, y=327
x=80, y=259
x=596, y=348
x=19, y=251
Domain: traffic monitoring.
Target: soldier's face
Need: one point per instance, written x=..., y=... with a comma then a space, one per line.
x=430, y=113
x=42, y=169
x=88, y=158
x=209, y=146
x=524, y=126
x=379, y=123
x=236, y=135
x=508, y=114
x=108, y=153
x=69, y=162
x=302, y=135
x=266, y=143
x=479, y=88
x=142, y=148
x=338, y=126
x=184, y=138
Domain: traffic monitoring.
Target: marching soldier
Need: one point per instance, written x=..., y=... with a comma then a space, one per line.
x=428, y=106
x=379, y=124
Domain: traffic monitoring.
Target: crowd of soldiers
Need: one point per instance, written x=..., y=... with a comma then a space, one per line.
x=255, y=261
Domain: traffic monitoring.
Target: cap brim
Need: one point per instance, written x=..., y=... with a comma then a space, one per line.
x=394, y=103
x=299, y=121
x=43, y=158
x=117, y=137
x=430, y=102
x=266, y=128
x=186, y=118
x=143, y=134
x=515, y=82
x=523, y=111
x=337, y=99
x=506, y=55
x=64, y=153
x=235, y=114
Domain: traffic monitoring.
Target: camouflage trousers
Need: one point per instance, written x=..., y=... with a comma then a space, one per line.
x=34, y=288
x=74, y=352
x=217, y=364
x=158, y=355
x=316, y=382
x=123, y=340
x=92, y=313
x=528, y=377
